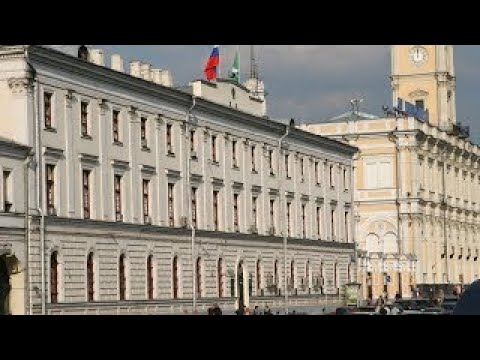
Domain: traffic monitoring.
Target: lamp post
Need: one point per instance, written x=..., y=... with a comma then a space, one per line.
x=189, y=205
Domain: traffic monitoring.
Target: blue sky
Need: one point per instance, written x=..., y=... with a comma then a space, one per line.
x=310, y=82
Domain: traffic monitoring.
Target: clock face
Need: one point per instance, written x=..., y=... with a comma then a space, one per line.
x=418, y=55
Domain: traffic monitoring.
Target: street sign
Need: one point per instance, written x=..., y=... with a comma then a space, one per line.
x=388, y=279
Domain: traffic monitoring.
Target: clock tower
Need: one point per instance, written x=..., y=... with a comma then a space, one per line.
x=424, y=75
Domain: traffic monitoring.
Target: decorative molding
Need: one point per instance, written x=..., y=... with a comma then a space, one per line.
x=256, y=190
x=20, y=86
x=273, y=192
x=418, y=93
x=173, y=175
x=53, y=153
x=70, y=98
x=103, y=104
x=88, y=159
x=120, y=165
x=196, y=179
x=217, y=183
x=236, y=186
x=148, y=170
x=305, y=198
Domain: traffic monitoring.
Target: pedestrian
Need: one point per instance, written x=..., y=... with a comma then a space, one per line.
x=210, y=311
x=216, y=310
x=256, y=310
x=267, y=311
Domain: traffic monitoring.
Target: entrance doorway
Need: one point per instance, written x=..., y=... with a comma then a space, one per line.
x=4, y=286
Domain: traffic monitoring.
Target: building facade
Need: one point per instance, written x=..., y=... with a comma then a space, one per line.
x=416, y=183
x=130, y=174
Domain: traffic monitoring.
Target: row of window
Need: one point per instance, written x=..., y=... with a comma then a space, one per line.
x=271, y=280
x=116, y=135
x=86, y=199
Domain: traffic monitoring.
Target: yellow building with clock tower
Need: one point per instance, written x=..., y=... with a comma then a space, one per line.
x=417, y=182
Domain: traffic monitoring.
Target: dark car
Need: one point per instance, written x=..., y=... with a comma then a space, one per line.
x=469, y=302
x=343, y=311
x=448, y=304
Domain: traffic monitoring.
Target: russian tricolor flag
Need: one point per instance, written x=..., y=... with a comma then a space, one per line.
x=212, y=64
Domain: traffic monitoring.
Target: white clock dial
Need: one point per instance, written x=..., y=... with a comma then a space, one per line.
x=418, y=55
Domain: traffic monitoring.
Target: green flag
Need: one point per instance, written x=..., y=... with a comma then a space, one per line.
x=235, y=74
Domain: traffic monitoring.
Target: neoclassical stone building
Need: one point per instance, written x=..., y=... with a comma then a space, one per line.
x=417, y=182
x=126, y=170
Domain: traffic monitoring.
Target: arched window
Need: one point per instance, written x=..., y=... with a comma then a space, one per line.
x=259, y=276
x=90, y=278
x=373, y=243
x=199, y=278
x=54, y=277
x=175, y=277
x=220, y=277
x=150, y=277
x=122, y=280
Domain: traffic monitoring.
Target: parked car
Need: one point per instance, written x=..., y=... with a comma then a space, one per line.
x=469, y=302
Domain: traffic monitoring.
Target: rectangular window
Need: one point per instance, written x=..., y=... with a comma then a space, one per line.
x=6, y=191
x=347, y=226
x=86, y=194
x=84, y=118
x=171, y=204
x=319, y=222
x=304, y=221
x=236, y=226
x=234, y=154
x=214, y=148
x=253, y=159
x=272, y=216
x=302, y=168
x=333, y=223
x=270, y=161
x=194, y=207
x=118, y=198
x=215, y=210
x=116, y=126
x=379, y=173
x=420, y=104
x=332, y=176
x=345, y=179
x=254, y=212
x=289, y=219
x=47, y=108
x=192, y=142
x=143, y=132
x=287, y=167
x=169, y=140
x=146, y=202
x=317, y=175
x=50, y=177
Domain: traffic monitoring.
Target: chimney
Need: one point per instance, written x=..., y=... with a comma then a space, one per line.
x=96, y=57
x=117, y=63
x=145, y=70
x=135, y=68
x=156, y=76
x=166, y=78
